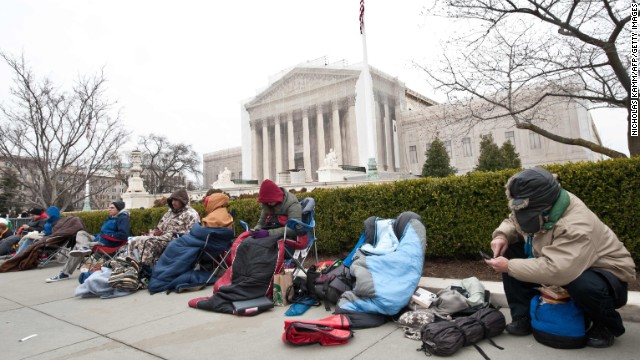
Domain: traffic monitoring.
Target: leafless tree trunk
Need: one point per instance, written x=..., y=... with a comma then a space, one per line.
x=529, y=52
x=163, y=163
x=55, y=140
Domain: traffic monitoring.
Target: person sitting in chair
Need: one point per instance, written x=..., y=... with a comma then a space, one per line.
x=53, y=215
x=178, y=220
x=38, y=220
x=278, y=206
x=114, y=230
x=257, y=257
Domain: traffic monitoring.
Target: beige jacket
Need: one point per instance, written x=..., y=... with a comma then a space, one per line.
x=578, y=241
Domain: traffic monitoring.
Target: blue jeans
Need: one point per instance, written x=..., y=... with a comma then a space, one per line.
x=24, y=245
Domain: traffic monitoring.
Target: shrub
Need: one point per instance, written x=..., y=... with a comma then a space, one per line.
x=459, y=212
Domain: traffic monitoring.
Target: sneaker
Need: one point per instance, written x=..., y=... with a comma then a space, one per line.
x=60, y=276
x=520, y=327
x=599, y=337
x=80, y=252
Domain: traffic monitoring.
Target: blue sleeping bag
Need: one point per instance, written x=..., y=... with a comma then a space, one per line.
x=175, y=268
x=386, y=279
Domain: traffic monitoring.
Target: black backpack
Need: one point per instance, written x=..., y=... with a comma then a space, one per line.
x=444, y=338
x=329, y=284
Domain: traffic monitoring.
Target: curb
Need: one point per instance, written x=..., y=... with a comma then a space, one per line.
x=629, y=312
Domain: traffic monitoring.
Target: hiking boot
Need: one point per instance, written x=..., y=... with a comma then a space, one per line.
x=599, y=337
x=59, y=277
x=520, y=327
x=84, y=252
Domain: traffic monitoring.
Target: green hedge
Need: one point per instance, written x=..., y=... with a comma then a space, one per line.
x=459, y=212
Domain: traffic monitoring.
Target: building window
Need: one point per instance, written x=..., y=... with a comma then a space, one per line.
x=413, y=154
x=510, y=136
x=534, y=140
x=466, y=147
x=447, y=146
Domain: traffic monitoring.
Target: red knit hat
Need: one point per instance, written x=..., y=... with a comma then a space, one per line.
x=270, y=192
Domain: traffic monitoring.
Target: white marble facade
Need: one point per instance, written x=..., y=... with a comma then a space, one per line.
x=313, y=110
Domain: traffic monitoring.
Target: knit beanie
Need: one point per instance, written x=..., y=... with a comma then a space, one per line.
x=36, y=211
x=118, y=204
x=270, y=192
x=530, y=192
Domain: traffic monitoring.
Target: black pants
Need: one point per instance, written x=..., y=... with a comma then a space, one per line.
x=599, y=296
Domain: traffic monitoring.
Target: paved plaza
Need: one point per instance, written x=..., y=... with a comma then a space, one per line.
x=160, y=326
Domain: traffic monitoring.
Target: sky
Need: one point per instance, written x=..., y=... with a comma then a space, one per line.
x=182, y=69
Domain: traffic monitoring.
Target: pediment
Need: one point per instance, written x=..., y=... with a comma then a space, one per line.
x=302, y=80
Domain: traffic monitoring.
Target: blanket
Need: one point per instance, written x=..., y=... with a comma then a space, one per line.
x=97, y=285
x=255, y=263
x=63, y=231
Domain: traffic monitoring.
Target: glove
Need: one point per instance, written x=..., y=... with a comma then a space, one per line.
x=258, y=234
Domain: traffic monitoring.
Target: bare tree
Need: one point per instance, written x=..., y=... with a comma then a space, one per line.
x=55, y=140
x=526, y=53
x=164, y=164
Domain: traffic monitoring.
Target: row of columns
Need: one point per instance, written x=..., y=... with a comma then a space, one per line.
x=265, y=155
x=261, y=140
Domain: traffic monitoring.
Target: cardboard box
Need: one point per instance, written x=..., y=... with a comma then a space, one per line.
x=423, y=297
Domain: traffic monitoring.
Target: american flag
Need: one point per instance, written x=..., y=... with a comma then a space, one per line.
x=361, y=16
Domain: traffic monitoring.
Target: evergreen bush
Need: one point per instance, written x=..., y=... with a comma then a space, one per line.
x=459, y=212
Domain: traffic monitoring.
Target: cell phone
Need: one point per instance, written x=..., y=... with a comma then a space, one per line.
x=485, y=255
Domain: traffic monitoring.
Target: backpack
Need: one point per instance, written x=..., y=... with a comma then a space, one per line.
x=329, y=284
x=444, y=338
x=559, y=326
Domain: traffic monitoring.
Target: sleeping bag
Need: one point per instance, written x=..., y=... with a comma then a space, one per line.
x=175, y=268
x=387, y=264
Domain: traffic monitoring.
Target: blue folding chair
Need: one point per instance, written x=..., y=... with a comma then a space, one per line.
x=299, y=250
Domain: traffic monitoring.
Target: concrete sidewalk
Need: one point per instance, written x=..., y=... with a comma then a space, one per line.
x=143, y=326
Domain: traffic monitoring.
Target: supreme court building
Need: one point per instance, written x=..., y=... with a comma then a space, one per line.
x=311, y=111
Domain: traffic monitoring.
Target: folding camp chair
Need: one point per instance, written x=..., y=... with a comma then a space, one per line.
x=104, y=253
x=214, y=258
x=55, y=248
x=304, y=242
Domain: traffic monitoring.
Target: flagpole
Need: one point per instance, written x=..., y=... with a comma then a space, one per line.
x=372, y=168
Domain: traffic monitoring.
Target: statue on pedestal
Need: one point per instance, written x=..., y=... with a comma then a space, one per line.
x=331, y=160
x=224, y=180
x=136, y=184
x=225, y=175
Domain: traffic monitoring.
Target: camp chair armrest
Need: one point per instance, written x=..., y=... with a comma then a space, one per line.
x=244, y=225
x=112, y=239
x=293, y=223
